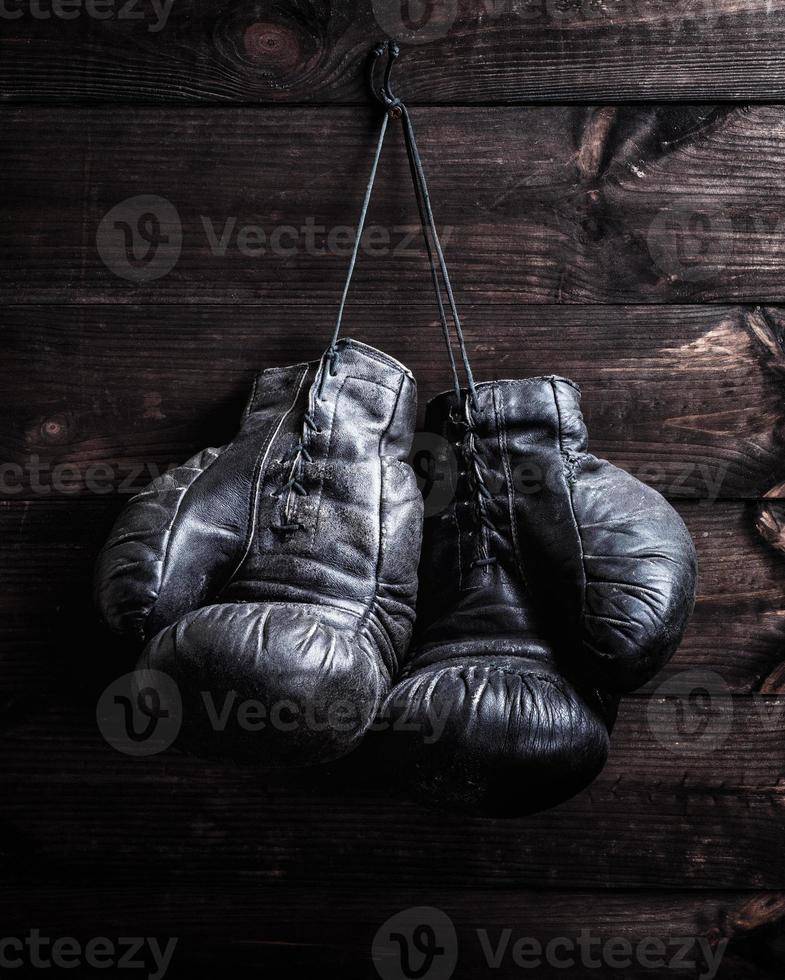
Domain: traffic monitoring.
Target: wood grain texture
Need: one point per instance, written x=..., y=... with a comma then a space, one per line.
x=310, y=931
x=551, y=205
x=100, y=399
x=457, y=51
x=159, y=255
x=689, y=800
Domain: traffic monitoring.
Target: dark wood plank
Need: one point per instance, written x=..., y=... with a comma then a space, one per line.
x=98, y=399
x=262, y=872
x=689, y=800
x=456, y=52
x=560, y=204
x=733, y=936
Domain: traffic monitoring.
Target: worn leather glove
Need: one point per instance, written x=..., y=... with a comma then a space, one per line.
x=280, y=571
x=551, y=583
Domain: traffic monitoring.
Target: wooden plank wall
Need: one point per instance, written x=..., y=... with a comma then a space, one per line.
x=610, y=179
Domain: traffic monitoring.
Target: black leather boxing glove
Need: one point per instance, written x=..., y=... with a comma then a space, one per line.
x=551, y=583
x=280, y=570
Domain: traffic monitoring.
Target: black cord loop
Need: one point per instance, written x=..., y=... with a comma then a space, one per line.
x=397, y=109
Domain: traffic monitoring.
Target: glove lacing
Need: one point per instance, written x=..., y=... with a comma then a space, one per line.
x=293, y=485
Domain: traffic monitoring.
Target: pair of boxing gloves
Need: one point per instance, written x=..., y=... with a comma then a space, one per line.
x=285, y=570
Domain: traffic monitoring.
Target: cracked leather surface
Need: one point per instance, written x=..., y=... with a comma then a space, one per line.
x=561, y=585
x=283, y=566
